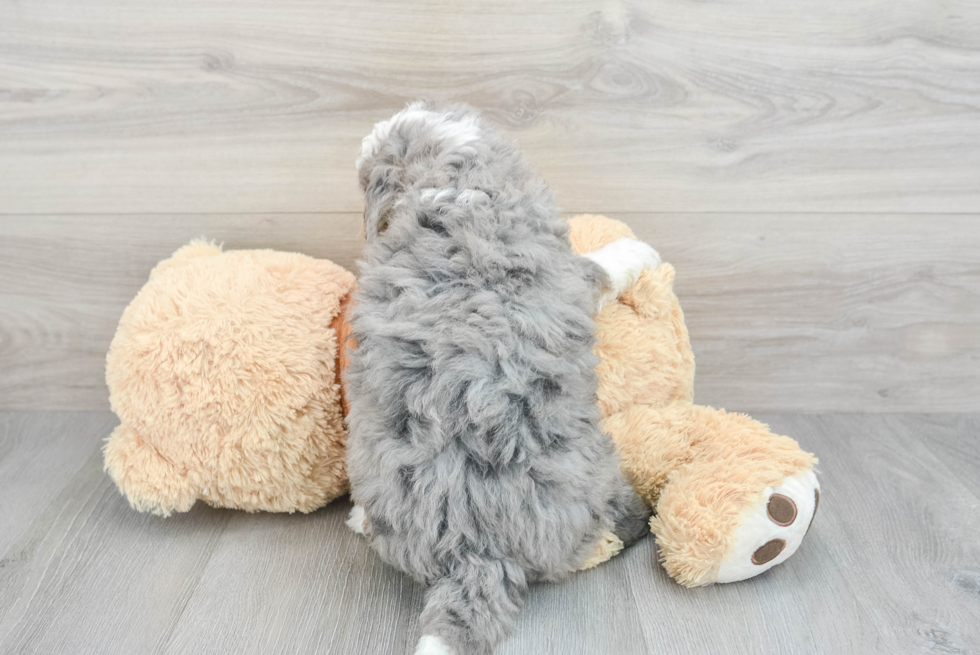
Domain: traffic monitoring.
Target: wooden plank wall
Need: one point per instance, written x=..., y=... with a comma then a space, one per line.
x=811, y=169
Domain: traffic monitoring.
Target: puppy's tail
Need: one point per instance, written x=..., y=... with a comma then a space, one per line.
x=473, y=609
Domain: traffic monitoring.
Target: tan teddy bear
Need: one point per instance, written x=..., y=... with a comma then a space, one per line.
x=224, y=373
x=731, y=499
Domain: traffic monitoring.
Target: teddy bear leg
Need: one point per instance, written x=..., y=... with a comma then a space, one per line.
x=740, y=505
x=150, y=482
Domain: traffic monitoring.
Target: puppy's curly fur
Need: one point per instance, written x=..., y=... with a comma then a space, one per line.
x=474, y=444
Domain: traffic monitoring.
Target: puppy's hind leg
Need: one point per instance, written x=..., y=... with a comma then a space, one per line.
x=473, y=609
x=357, y=521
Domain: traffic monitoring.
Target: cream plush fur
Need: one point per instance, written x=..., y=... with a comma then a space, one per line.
x=708, y=474
x=224, y=375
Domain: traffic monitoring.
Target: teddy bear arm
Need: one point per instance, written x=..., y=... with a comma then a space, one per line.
x=150, y=482
x=662, y=326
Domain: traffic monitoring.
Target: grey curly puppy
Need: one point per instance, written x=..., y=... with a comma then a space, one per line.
x=475, y=456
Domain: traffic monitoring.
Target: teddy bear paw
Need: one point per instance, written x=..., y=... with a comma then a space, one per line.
x=771, y=531
x=624, y=260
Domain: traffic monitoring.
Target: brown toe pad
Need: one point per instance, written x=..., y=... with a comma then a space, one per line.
x=768, y=551
x=781, y=510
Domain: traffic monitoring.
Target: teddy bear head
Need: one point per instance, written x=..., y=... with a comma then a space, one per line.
x=224, y=375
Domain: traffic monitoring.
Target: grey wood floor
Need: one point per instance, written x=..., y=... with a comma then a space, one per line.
x=891, y=565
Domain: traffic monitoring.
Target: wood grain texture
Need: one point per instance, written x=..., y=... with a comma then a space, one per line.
x=891, y=565
x=817, y=312
x=187, y=106
x=38, y=453
x=809, y=312
x=961, y=456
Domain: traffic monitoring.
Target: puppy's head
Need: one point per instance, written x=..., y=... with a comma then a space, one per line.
x=421, y=146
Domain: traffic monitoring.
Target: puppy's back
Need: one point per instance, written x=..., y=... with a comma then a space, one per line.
x=474, y=443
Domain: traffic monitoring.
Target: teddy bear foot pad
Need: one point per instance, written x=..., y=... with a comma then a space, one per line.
x=772, y=530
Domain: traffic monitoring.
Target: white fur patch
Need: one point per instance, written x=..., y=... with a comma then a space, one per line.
x=357, y=519
x=432, y=645
x=454, y=134
x=466, y=196
x=438, y=195
x=371, y=144
x=457, y=134
x=757, y=529
x=623, y=260
x=470, y=195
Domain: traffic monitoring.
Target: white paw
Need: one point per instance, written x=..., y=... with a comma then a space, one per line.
x=432, y=645
x=357, y=521
x=623, y=260
x=774, y=529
